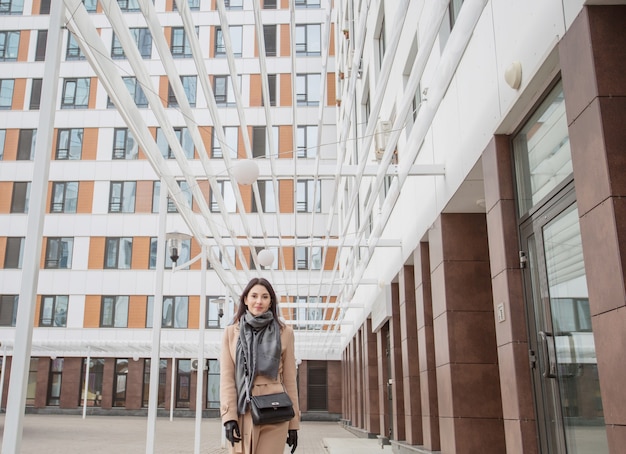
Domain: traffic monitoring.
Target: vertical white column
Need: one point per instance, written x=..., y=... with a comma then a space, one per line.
x=157, y=315
x=88, y=360
x=201, y=360
x=173, y=384
x=4, y=367
x=16, y=401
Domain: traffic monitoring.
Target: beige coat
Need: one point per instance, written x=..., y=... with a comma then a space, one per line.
x=270, y=438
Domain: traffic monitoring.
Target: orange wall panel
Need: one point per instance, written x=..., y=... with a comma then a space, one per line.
x=6, y=189
x=285, y=141
x=205, y=133
x=141, y=253
x=37, y=310
x=289, y=257
x=194, y=312
x=246, y=195
x=137, y=307
x=92, y=311
x=93, y=90
x=143, y=197
x=3, y=250
x=331, y=254
x=96, y=253
x=90, y=144
x=36, y=6
x=285, y=90
x=285, y=41
x=331, y=43
x=205, y=188
x=85, y=197
x=10, y=144
x=285, y=193
x=256, y=91
x=42, y=261
x=22, y=51
x=55, y=138
x=163, y=90
x=331, y=89
x=169, y=5
x=48, y=197
x=212, y=41
x=194, y=251
x=19, y=91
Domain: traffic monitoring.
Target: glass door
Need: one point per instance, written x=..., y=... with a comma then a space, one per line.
x=565, y=372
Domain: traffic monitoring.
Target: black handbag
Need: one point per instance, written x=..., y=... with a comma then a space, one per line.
x=271, y=408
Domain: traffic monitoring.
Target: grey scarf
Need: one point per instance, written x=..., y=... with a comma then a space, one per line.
x=258, y=353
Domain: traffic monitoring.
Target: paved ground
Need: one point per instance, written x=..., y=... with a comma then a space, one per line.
x=60, y=434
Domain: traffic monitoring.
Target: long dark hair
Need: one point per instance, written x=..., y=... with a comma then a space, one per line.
x=241, y=309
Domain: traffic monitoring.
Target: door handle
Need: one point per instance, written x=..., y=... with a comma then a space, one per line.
x=549, y=364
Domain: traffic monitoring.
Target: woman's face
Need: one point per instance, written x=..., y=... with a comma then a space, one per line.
x=258, y=300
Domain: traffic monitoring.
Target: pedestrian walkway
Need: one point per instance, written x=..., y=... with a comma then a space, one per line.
x=66, y=434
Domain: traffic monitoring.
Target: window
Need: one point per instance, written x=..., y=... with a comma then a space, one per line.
x=271, y=85
x=6, y=93
x=118, y=253
x=317, y=386
x=53, y=311
x=224, y=258
x=64, y=197
x=14, y=252
x=269, y=4
x=184, y=138
x=156, y=189
x=307, y=141
x=185, y=193
x=40, y=48
x=224, y=91
x=114, y=312
x=59, y=253
x=381, y=44
x=146, y=383
x=75, y=93
x=119, y=383
x=124, y=144
x=90, y=5
x=183, y=383
x=26, y=144
x=308, y=196
x=35, y=94
x=231, y=134
x=122, y=197
x=31, y=389
x=454, y=8
x=8, y=310
x=213, y=306
x=233, y=4
x=11, y=6
x=269, y=37
x=175, y=310
x=309, y=39
x=184, y=255
x=308, y=89
x=73, y=51
x=213, y=384
x=54, y=382
x=189, y=84
x=308, y=258
x=308, y=310
x=226, y=190
x=453, y=11
x=129, y=5
x=153, y=253
x=96, y=375
x=44, y=7
x=9, y=44
x=236, y=36
x=260, y=141
x=180, y=48
x=307, y=3
x=142, y=38
x=20, y=197
x=267, y=196
x=69, y=144
x=3, y=136
x=135, y=90
x=193, y=5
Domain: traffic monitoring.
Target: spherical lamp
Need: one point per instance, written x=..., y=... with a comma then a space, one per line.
x=266, y=257
x=246, y=171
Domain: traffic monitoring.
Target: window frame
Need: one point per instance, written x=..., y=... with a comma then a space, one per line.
x=59, y=200
x=6, y=86
x=307, y=97
x=20, y=199
x=126, y=152
x=304, y=40
x=118, y=253
x=50, y=304
x=14, y=252
x=112, y=301
x=55, y=261
x=66, y=142
x=7, y=312
x=8, y=44
x=124, y=186
x=70, y=96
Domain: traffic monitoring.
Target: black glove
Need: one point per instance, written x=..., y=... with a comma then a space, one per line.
x=292, y=440
x=232, y=429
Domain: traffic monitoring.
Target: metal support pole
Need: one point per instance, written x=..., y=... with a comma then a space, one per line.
x=173, y=384
x=88, y=360
x=157, y=315
x=201, y=360
x=18, y=384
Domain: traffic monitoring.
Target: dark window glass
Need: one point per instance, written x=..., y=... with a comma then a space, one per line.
x=59, y=253
x=94, y=386
x=13, y=253
x=8, y=310
x=21, y=196
x=119, y=383
x=44, y=7
x=53, y=311
x=40, y=50
x=54, y=382
x=64, y=197
x=269, y=36
x=35, y=94
x=26, y=144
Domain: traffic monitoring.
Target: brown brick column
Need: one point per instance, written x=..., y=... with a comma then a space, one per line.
x=134, y=384
x=358, y=380
x=515, y=379
x=468, y=384
x=370, y=380
x=43, y=376
x=397, y=388
x=593, y=62
x=383, y=375
x=410, y=357
x=352, y=379
x=70, y=383
x=334, y=374
x=426, y=352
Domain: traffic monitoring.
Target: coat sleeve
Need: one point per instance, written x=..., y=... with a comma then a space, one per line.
x=228, y=389
x=290, y=374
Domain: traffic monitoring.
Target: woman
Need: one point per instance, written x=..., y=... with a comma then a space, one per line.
x=259, y=342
